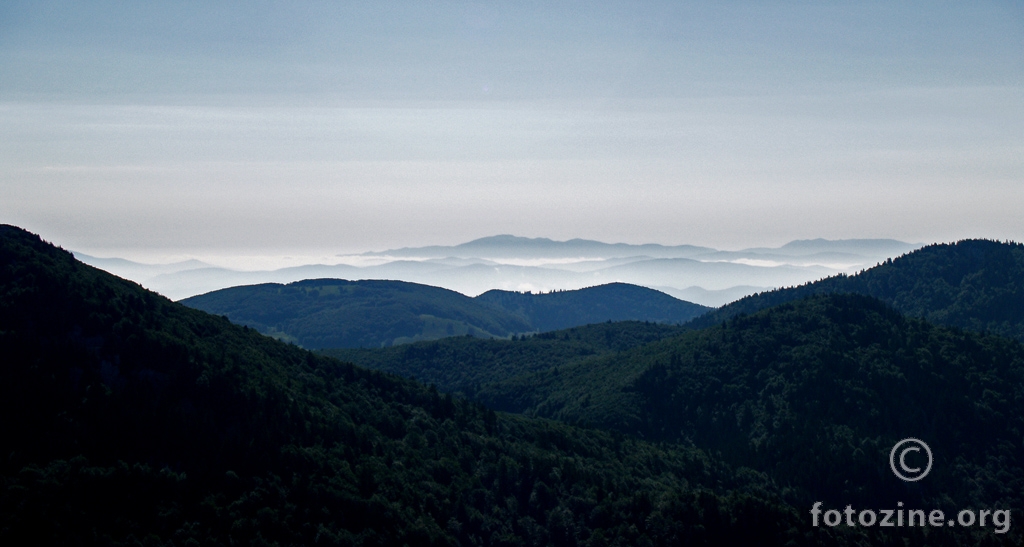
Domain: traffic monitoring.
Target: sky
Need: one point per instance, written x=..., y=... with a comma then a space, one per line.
x=160, y=129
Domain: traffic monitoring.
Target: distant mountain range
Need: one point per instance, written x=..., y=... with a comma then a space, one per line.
x=698, y=274
x=513, y=247
x=335, y=313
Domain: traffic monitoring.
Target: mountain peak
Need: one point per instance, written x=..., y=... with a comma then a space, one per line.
x=505, y=239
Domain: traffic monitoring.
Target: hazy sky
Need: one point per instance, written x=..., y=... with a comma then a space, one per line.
x=204, y=127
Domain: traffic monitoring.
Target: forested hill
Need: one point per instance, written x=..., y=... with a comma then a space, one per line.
x=610, y=302
x=334, y=313
x=815, y=393
x=127, y=419
x=973, y=284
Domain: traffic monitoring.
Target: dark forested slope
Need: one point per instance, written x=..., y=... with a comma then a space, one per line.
x=610, y=302
x=126, y=419
x=974, y=284
x=333, y=313
x=814, y=393
x=463, y=364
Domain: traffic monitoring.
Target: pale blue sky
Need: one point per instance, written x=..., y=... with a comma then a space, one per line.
x=264, y=126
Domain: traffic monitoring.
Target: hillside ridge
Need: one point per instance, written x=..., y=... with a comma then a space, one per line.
x=976, y=284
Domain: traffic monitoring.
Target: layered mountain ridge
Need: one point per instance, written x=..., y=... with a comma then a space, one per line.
x=128, y=416
x=709, y=277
